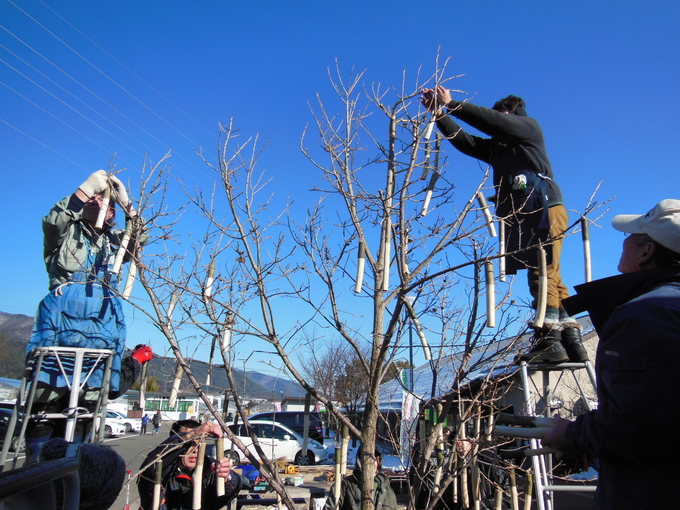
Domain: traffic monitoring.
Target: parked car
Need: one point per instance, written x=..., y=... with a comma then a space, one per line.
x=131, y=424
x=113, y=425
x=296, y=420
x=5, y=415
x=276, y=440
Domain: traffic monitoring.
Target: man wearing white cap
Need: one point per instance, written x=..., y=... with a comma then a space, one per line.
x=632, y=436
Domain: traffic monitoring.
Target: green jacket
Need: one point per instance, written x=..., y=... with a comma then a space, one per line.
x=67, y=239
x=350, y=494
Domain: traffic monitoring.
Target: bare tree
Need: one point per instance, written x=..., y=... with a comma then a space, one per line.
x=388, y=243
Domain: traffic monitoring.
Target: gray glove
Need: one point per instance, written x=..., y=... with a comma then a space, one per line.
x=96, y=183
x=119, y=194
x=100, y=181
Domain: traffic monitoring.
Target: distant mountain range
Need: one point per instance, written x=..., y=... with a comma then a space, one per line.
x=15, y=330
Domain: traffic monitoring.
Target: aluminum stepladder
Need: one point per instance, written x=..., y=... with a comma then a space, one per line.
x=70, y=361
x=543, y=464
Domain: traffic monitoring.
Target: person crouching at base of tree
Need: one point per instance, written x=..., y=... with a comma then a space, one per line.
x=179, y=454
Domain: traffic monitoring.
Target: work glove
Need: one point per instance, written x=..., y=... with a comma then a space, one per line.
x=100, y=181
x=119, y=194
x=96, y=183
x=142, y=353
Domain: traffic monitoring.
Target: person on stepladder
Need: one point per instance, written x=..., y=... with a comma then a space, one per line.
x=631, y=436
x=528, y=200
x=82, y=308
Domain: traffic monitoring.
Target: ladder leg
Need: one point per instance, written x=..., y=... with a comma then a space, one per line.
x=76, y=386
x=584, y=397
x=28, y=406
x=591, y=374
x=99, y=414
x=529, y=410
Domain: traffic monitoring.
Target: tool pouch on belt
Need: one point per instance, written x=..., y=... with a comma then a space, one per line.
x=522, y=202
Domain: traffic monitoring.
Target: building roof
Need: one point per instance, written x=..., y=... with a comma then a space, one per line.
x=489, y=361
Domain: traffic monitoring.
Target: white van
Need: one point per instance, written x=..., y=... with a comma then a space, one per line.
x=276, y=440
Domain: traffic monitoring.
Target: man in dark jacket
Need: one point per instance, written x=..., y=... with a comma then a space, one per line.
x=637, y=316
x=528, y=200
x=179, y=455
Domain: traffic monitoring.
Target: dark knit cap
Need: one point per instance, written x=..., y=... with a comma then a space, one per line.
x=101, y=472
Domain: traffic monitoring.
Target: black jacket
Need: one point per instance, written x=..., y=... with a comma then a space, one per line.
x=176, y=480
x=516, y=143
x=516, y=148
x=633, y=432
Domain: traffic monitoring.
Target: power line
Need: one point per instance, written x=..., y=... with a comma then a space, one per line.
x=72, y=108
x=40, y=142
x=59, y=120
x=151, y=110
x=86, y=88
x=116, y=110
x=74, y=96
x=124, y=66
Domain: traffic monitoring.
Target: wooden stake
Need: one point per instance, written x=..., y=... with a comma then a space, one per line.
x=219, y=446
x=501, y=250
x=513, y=488
x=142, y=387
x=464, y=489
x=529, y=491
x=490, y=295
x=198, y=477
x=101, y=217
x=157, y=485
x=498, y=498
x=487, y=213
x=585, y=235
x=542, y=298
x=361, y=263
x=338, y=475
x=428, y=193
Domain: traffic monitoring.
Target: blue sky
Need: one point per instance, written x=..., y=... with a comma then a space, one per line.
x=601, y=77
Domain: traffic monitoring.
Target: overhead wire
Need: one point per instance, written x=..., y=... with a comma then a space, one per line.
x=116, y=110
x=74, y=96
x=124, y=66
x=40, y=142
x=85, y=87
x=58, y=119
x=93, y=66
x=72, y=108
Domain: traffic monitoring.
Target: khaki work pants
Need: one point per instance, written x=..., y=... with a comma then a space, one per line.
x=557, y=291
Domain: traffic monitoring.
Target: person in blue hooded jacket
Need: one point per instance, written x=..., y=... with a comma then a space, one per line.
x=82, y=308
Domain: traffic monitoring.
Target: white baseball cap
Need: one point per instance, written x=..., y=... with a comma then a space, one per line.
x=662, y=223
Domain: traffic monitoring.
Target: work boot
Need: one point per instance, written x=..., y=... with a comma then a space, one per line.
x=571, y=340
x=547, y=348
